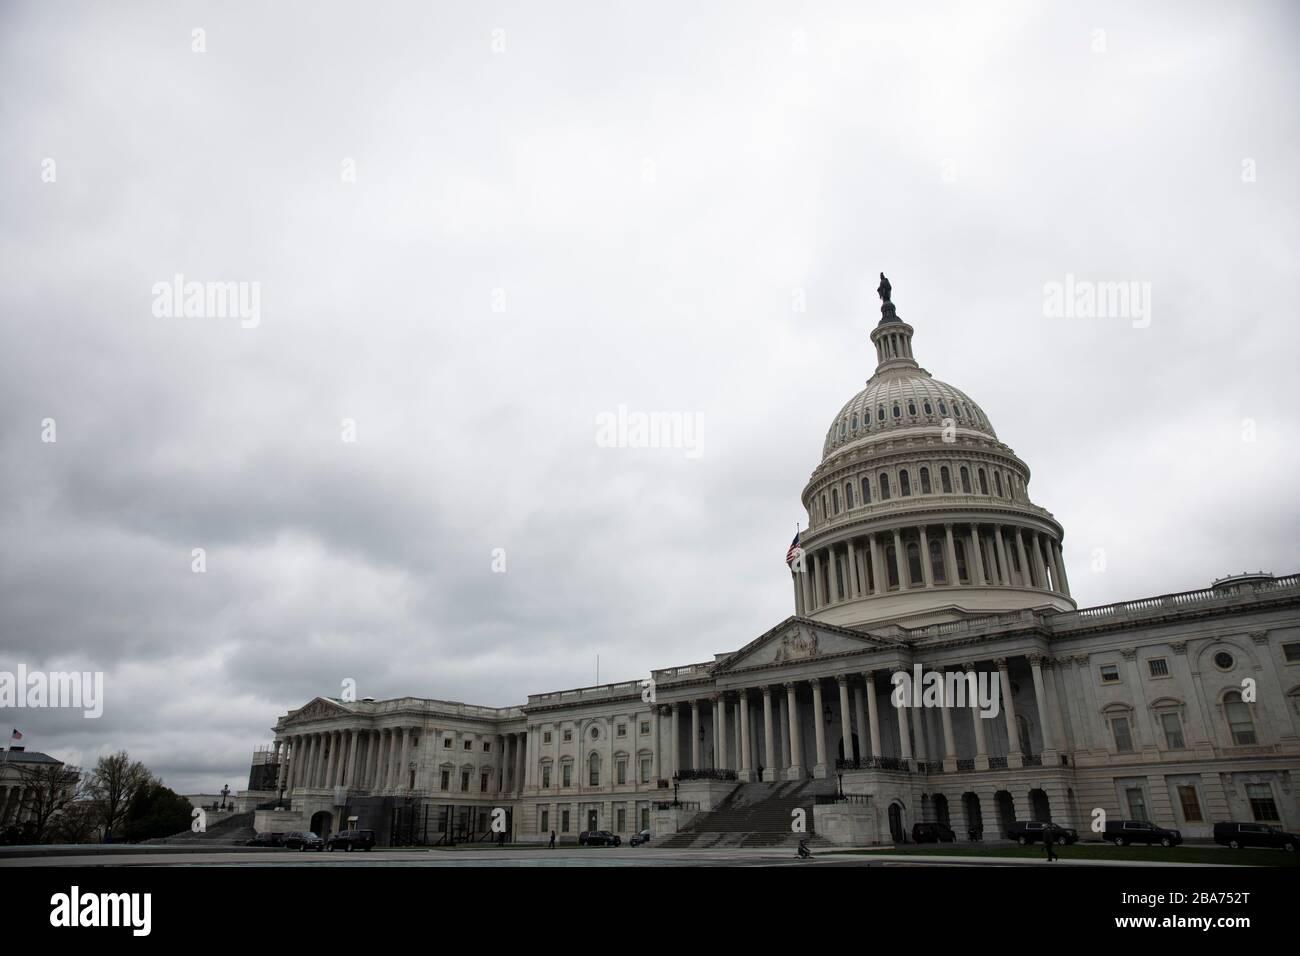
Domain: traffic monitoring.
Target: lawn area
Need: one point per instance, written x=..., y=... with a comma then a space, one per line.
x=1103, y=851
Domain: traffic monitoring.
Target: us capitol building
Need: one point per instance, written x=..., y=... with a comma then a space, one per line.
x=923, y=548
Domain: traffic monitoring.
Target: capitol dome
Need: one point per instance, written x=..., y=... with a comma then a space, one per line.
x=918, y=513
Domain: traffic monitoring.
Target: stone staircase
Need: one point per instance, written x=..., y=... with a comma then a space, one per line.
x=234, y=830
x=755, y=814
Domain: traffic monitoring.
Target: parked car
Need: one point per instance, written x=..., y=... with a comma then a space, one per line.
x=1237, y=835
x=1124, y=832
x=267, y=839
x=352, y=840
x=303, y=840
x=598, y=838
x=1033, y=831
x=932, y=833
x=642, y=837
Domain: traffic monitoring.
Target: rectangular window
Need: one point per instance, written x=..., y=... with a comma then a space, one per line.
x=622, y=821
x=446, y=780
x=446, y=742
x=1137, y=804
x=469, y=745
x=1261, y=800
x=622, y=772
x=483, y=783
x=1173, y=729
x=645, y=818
x=545, y=821
x=546, y=737
x=566, y=775
x=564, y=821
x=464, y=781
x=622, y=730
x=645, y=727
x=645, y=769
x=1110, y=673
x=487, y=747
x=1158, y=667
x=1291, y=652
x=568, y=735
x=1123, y=739
x=546, y=776
x=1190, y=802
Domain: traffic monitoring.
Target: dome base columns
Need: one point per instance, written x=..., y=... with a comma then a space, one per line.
x=919, y=607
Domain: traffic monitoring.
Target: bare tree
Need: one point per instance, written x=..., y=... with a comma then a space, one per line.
x=114, y=781
x=78, y=823
x=48, y=788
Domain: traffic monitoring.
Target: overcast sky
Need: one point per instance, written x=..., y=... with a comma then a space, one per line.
x=477, y=227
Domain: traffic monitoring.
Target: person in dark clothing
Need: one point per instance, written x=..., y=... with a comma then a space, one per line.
x=552, y=839
x=1049, y=841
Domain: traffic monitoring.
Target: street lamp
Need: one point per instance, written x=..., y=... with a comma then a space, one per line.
x=225, y=792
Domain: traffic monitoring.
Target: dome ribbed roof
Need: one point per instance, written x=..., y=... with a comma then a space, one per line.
x=902, y=399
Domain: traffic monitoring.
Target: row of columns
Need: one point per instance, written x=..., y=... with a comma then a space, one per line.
x=858, y=567
x=376, y=759
x=12, y=801
x=780, y=713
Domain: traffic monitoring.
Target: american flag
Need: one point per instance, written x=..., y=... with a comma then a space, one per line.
x=794, y=549
x=15, y=735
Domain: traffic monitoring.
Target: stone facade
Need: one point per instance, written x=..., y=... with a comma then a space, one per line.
x=924, y=549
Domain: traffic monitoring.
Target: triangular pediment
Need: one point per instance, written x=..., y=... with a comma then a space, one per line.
x=320, y=708
x=799, y=639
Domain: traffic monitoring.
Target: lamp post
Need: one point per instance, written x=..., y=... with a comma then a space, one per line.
x=225, y=792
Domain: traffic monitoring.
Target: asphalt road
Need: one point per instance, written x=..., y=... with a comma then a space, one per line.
x=562, y=856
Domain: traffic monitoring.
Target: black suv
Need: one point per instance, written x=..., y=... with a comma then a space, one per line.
x=352, y=840
x=303, y=840
x=1237, y=835
x=598, y=838
x=1033, y=831
x=1124, y=832
x=932, y=833
x=267, y=839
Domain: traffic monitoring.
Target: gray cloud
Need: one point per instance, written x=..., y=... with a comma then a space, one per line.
x=646, y=190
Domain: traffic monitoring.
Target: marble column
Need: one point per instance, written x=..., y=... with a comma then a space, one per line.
x=974, y=559
x=819, y=725
x=951, y=548
x=981, y=742
x=900, y=564
x=1040, y=698
x=745, y=768
x=769, y=749
x=949, y=740
x=1025, y=579
x=860, y=715
x=879, y=576
x=695, y=735
x=1060, y=566
x=855, y=590
x=927, y=569
x=1015, y=756
x=873, y=712
x=846, y=719
x=795, y=770
x=904, y=740
x=350, y=779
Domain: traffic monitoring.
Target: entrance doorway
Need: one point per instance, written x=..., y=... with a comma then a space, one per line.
x=592, y=820
x=896, y=831
x=322, y=824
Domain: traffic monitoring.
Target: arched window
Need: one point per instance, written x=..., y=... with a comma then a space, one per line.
x=997, y=483
x=844, y=428
x=848, y=495
x=914, y=572
x=898, y=412
x=884, y=486
x=891, y=565
x=866, y=491
x=835, y=501
x=855, y=421
x=904, y=483
x=1240, y=723
x=965, y=481
x=929, y=409
x=826, y=513
x=945, y=480
x=925, y=481
x=936, y=563
x=943, y=407
x=593, y=770
x=880, y=413
x=984, y=483
x=911, y=407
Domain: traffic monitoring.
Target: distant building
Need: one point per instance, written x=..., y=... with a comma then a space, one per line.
x=15, y=764
x=923, y=549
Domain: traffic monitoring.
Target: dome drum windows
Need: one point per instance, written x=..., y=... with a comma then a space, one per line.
x=997, y=483
x=945, y=480
x=984, y=482
x=965, y=480
x=925, y=481
x=835, y=501
x=904, y=483
x=866, y=491
x=884, y=486
x=848, y=495
x=911, y=407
